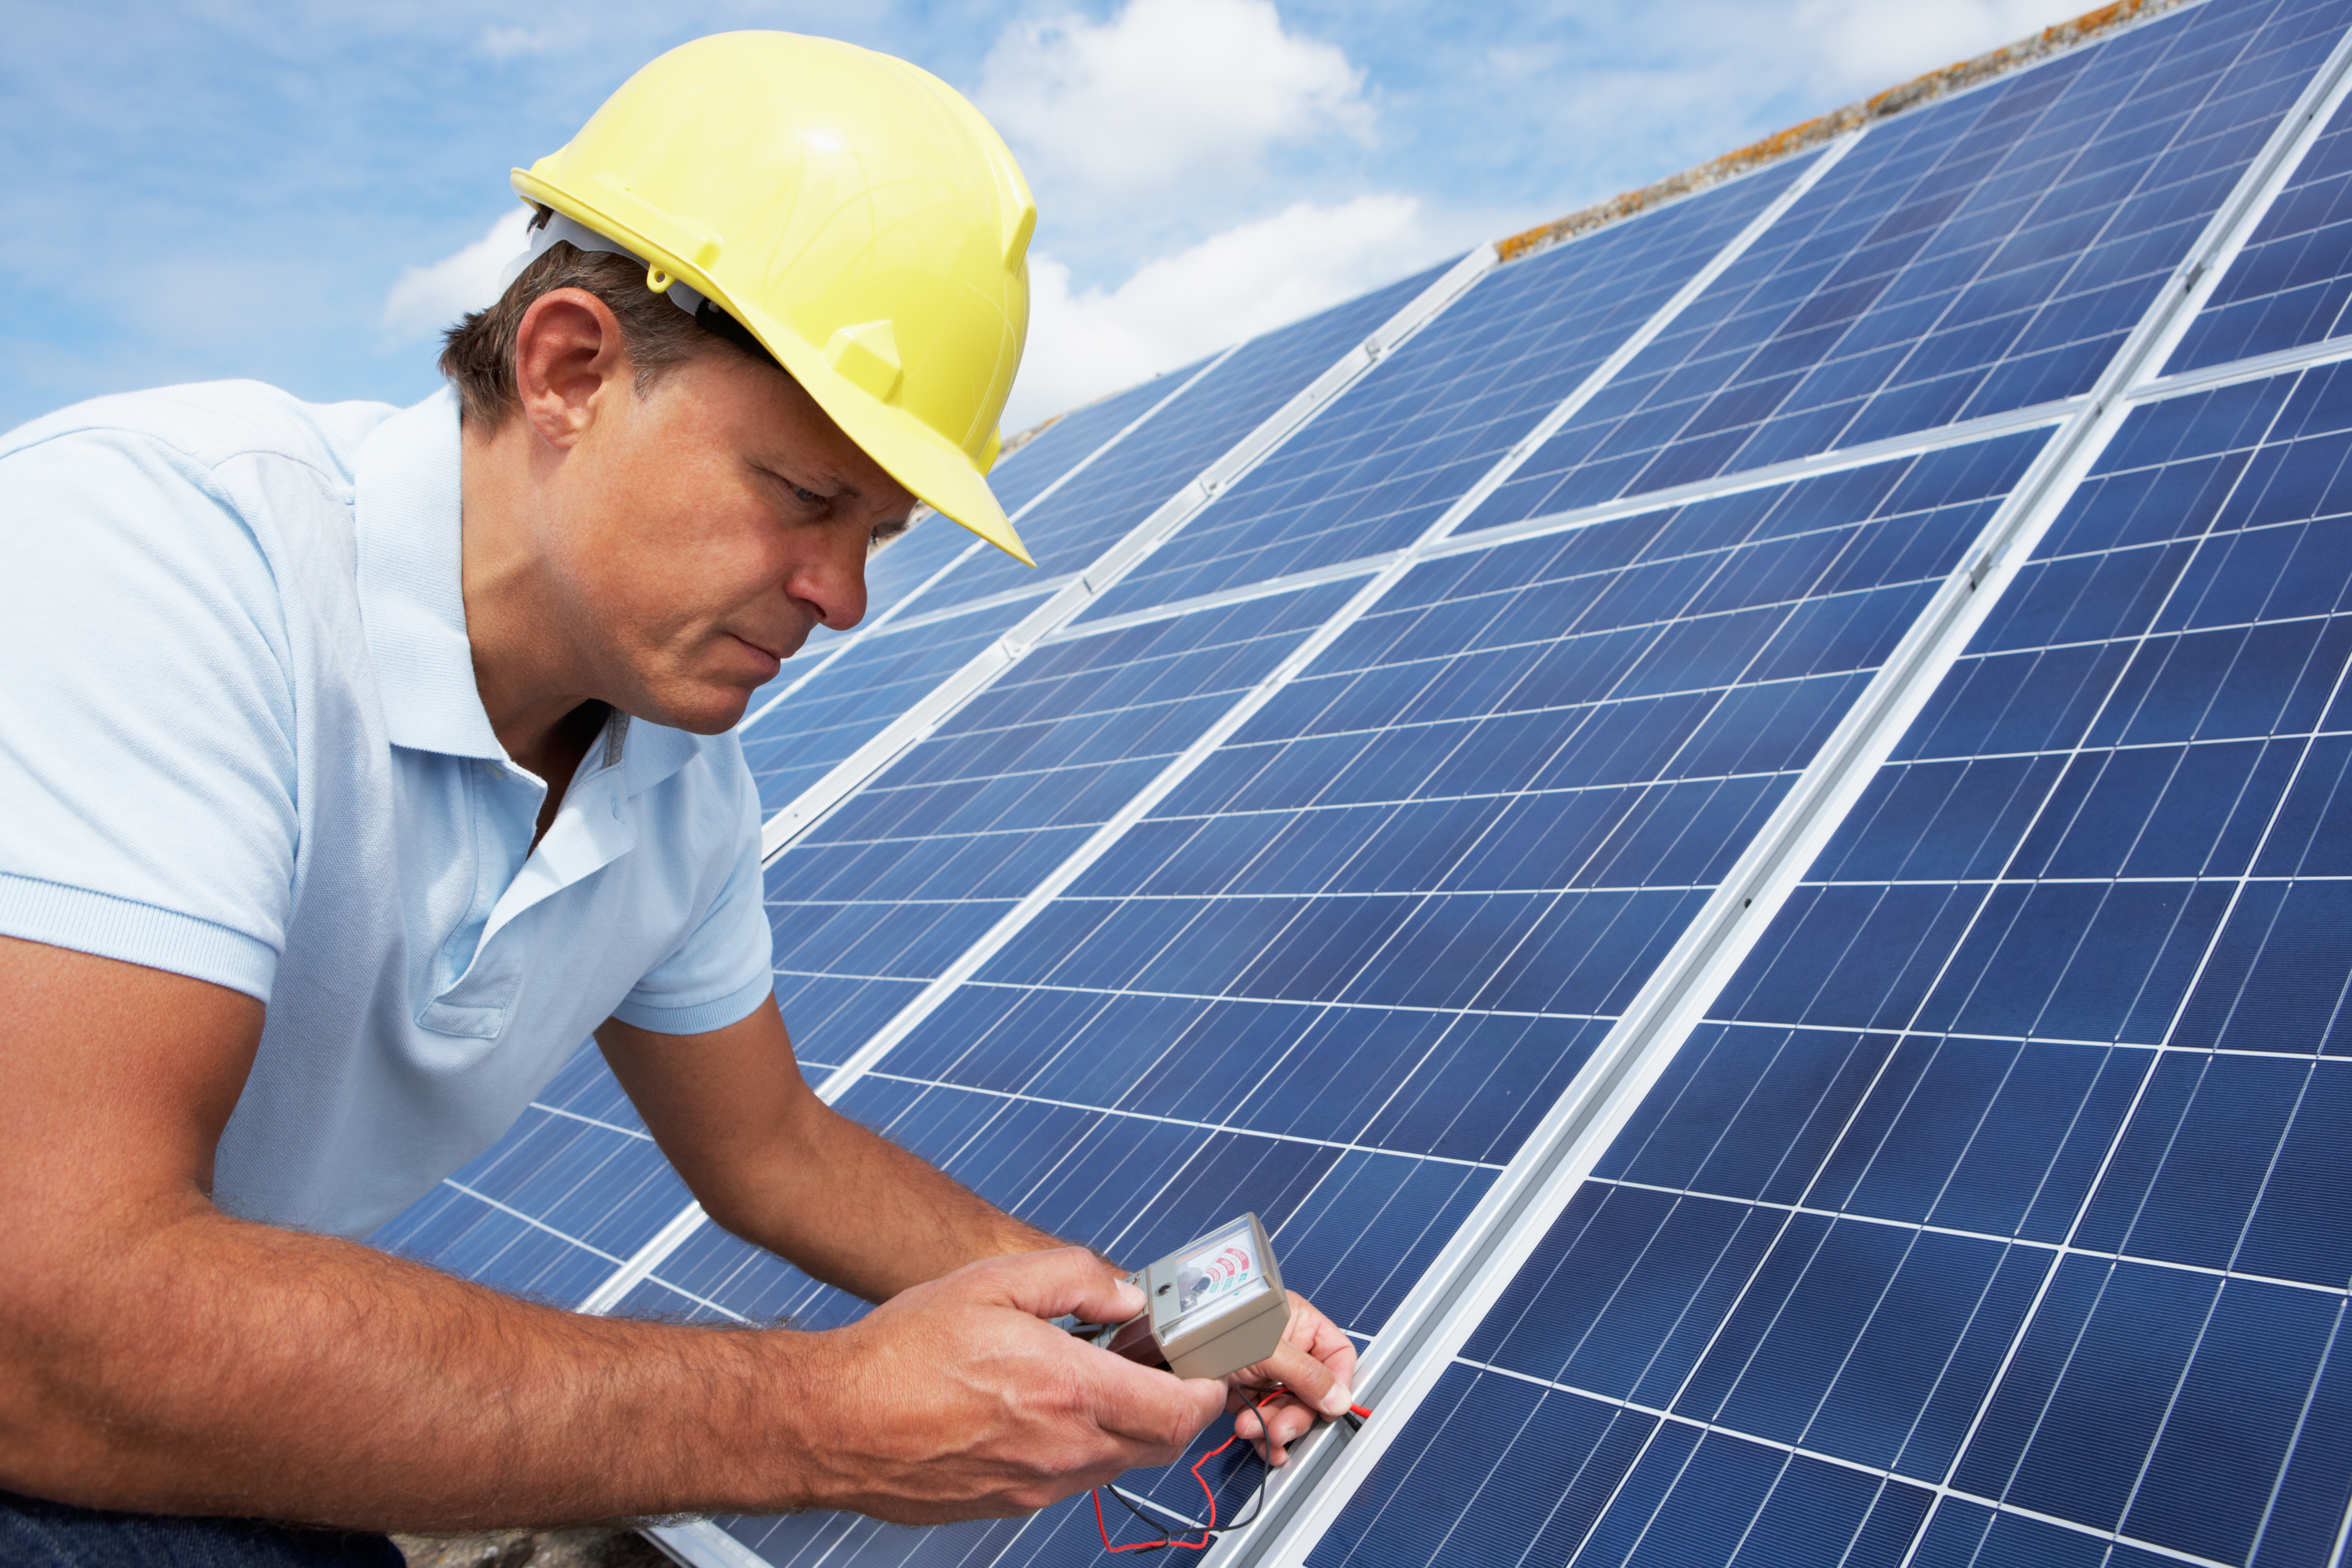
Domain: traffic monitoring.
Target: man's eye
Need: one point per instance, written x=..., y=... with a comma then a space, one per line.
x=806, y=497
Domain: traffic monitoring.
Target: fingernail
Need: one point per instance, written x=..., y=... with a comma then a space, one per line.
x=1336, y=1403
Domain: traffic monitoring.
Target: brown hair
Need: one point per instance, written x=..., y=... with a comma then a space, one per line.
x=477, y=354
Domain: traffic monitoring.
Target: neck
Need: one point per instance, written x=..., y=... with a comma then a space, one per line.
x=524, y=665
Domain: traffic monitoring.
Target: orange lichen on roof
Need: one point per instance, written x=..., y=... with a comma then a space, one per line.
x=1822, y=128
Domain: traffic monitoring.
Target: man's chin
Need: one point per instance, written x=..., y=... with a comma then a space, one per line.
x=708, y=710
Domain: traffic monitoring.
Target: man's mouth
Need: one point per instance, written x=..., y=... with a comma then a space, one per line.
x=779, y=652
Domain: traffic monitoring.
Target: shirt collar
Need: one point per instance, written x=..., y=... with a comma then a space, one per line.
x=411, y=583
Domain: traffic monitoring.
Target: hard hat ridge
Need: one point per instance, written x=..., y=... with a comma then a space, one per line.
x=852, y=212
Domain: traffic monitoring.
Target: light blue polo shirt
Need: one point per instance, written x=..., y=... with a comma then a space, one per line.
x=241, y=740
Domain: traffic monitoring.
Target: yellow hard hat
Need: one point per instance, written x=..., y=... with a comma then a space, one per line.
x=854, y=212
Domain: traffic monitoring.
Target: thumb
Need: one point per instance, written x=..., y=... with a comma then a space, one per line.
x=1308, y=1378
x=1064, y=1280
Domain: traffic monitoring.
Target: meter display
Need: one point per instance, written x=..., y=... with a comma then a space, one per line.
x=1214, y=1275
x=1217, y=1306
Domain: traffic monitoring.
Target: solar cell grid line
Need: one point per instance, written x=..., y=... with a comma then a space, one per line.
x=2291, y=285
x=1546, y=1176
x=988, y=659
x=1985, y=251
x=2006, y=1167
x=1373, y=473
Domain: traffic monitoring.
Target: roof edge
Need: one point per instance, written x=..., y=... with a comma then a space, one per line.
x=1813, y=132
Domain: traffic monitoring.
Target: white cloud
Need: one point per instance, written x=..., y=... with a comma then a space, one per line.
x=507, y=43
x=1165, y=89
x=1871, y=45
x=1231, y=286
x=427, y=298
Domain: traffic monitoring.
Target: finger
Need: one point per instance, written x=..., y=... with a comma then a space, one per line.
x=1064, y=1280
x=1306, y=1377
x=1320, y=1338
x=1284, y=1421
x=1152, y=1411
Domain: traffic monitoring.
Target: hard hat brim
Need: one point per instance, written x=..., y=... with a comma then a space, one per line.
x=940, y=474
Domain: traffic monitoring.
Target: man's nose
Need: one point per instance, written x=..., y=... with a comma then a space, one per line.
x=834, y=581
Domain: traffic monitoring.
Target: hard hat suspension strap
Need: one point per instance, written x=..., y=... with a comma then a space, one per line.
x=549, y=226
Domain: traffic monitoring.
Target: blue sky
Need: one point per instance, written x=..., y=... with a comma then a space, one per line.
x=303, y=191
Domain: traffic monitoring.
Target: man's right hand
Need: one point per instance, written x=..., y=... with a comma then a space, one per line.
x=157, y=1354
x=956, y=1399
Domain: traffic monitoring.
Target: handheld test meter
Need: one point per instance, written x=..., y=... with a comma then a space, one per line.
x=1215, y=1307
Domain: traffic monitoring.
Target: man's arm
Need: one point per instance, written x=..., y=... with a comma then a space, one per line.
x=777, y=1166
x=158, y=1354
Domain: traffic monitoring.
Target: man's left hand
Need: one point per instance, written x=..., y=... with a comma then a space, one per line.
x=1314, y=1365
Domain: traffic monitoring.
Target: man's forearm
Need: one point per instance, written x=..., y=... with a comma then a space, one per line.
x=211, y=1366
x=860, y=1213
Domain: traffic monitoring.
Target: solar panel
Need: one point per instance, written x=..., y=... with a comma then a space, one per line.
x=1787, y=1037
x=1980, y=255
x=1993, y=1207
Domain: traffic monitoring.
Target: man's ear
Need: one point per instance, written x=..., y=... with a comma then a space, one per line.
x=569, y=357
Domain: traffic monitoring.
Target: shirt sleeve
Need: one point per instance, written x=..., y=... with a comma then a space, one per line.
x=724, y=967
x=147, y=721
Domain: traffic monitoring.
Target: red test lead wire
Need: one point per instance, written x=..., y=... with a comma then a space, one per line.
x=1209, y=1533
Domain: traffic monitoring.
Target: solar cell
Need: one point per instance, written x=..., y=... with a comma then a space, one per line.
x=1984, y=253
x=1994, y=1175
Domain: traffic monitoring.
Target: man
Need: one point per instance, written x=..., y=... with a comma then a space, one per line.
x=356, y=762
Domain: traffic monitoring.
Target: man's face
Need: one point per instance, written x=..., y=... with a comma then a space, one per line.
x=706, y=527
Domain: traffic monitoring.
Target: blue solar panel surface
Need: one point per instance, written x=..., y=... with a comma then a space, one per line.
x=1997, y=1205
x=1383, y=462
x=2293, y=282
x=1980, y=255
